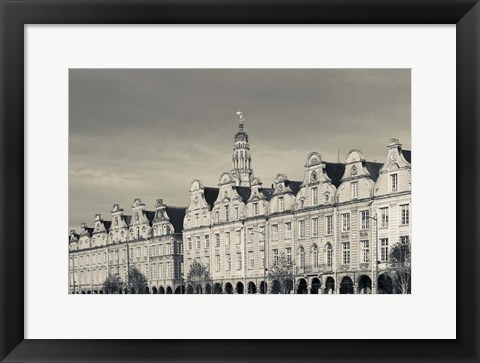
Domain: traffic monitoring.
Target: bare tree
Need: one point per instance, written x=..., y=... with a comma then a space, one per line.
x=281, y=273
x=137, y=280
x=399, y=267
x=198, y=277
x=113, y=284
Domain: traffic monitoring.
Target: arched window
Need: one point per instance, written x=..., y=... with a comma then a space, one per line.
x=315, y=256
x=328, y=255
x=302, y=257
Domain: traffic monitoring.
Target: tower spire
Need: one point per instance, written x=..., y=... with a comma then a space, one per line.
x=242, y=160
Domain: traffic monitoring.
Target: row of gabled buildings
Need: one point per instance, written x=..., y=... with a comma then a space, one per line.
x=336, y=226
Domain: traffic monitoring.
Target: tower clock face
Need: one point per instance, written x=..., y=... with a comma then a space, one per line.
x=313, y=177
x=354, y=170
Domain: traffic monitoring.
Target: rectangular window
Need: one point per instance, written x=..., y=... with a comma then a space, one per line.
x=207, y=241
x=226, y=214
x=217, y=262
x=354, y=186
x=288, y=254
x=346, y=253
x=384, y=249
x=288, y=230
x=329, y=256
x=217, y=240
x=384, y=217
x=394, y=182
x=137, y=250
x=365, y=246
x=250, y=235
x=189, y=240
x=345, y=222
x=365, y=215
x=301, y=229
x=405, y=214
x=227, y=238
x=281, y=204
x=197, y=220
x=404, y=239
x=275, y=257
x=251, y=260
x=314, y=196
x=236, y=213
x=197, y=244
x=217, y=216
x=255, y=209
x=314, y=227
x=229, y=262
x=274, y=231
x=239, y=260
x=328, y=225
x=239, y=237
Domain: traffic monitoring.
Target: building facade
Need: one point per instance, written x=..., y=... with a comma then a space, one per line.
x=336, y=227
x=149, y=240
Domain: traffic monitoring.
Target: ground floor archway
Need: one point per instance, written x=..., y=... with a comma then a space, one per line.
x=217, y=288
x=364, y=285
x=161, y=290
x=315, y=286
x=239, y=288
x=329, y=285
x=263, y=287
x=208, y=289
x=169, y=290
x=146, y=290
x=228, y=288
x=302, y=286
x=189, y=289
x=385, y=285
x=346, y=285
x=252, y=289
x=154, y=290
x=180, y=290
x=276, y=287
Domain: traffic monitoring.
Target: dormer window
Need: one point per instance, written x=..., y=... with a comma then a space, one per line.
x=314, y=196
x=394, y=182
x=281, y=204
x=354, y=187
x=313, y=177
x=255, y=209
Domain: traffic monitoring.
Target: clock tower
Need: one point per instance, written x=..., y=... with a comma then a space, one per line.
x=242, y=159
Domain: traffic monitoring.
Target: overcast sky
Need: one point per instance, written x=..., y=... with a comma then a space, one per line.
x=149, y=133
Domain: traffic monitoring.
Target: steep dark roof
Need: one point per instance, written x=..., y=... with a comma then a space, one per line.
x=373, y=168
x=127, y=219
x=150, y=216
x=176, y=215
x=335, y=172
x=293, y=185
x=408, y=155
x=244, y=192
x=107, y=225
x=211, y=195
x=267, y=192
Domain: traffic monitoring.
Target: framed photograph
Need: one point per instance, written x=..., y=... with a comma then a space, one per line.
x=158, y=157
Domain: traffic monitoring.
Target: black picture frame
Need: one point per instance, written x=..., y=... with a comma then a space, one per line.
x=15, y=14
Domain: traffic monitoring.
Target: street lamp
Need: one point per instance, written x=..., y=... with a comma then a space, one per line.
x=375, y=263
x=265, y=269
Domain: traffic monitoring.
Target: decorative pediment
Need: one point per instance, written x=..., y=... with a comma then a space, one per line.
x=314, y=158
